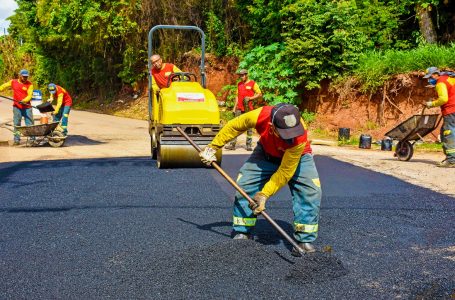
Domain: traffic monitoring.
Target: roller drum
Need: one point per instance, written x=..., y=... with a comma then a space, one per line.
x=181, y=156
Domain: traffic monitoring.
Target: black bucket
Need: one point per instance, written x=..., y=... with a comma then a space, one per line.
x=45, y=107
x=386, y=144
x=365, y=141
x=344, y=134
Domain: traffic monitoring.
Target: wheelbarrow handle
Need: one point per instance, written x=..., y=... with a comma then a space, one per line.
x=244, y=194
x=423, y=109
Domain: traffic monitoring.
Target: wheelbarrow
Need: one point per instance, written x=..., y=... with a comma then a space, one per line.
x=43, y=133
x=410, y=131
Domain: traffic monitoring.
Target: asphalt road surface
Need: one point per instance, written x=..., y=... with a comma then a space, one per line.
x=120, y=228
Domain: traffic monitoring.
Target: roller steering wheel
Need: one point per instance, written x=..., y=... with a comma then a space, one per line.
x=181, y=76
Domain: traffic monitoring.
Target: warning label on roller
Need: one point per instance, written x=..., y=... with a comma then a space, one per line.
x=190, y=97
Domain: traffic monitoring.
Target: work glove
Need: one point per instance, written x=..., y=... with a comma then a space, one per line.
x=259, y=203
x=55, y=112
x=428, y=103
x=208, y=156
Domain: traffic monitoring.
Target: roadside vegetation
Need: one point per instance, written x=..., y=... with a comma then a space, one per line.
x=97, y=49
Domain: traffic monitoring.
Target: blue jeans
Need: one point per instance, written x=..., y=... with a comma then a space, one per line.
x=305, y=190
x=18, y=114
x=63, y=115
x=448, y=137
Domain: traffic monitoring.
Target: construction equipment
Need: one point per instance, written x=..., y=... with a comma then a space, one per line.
x=41, y=134
x=244, y=194
x=184, y=103
x=412, y=130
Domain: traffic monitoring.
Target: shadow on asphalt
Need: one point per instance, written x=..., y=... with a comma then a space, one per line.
x=264, y=233
x=80, y=140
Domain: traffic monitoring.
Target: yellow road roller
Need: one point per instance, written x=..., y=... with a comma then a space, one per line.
x=184, y=103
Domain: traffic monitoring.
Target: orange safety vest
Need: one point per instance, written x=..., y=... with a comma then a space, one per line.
x=273, y=145
x=245, y=90
x=67, y=100
x=449, y=107
x=20, y=93
x=162, y=75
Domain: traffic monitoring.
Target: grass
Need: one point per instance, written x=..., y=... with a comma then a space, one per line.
x=375, y=67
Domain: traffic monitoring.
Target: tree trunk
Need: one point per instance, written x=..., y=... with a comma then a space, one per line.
x=426, y=24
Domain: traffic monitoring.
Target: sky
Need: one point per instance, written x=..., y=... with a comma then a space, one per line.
x=6, y=9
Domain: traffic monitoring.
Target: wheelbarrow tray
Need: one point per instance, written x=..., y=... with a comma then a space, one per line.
x=415, y=127
x=37, y=130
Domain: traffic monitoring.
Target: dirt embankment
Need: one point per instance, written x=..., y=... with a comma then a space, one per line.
x=375, y=114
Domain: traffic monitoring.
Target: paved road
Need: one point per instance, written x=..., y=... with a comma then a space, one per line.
x=120, y=228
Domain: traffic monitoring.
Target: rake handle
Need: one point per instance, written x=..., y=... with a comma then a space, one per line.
x=244, y=194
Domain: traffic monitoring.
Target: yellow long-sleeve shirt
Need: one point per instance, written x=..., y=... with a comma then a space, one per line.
x=443, y=94
x=289, y=162
x=59, y=101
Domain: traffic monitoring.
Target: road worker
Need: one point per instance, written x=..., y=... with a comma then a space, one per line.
x=22, y=94
x=247, y=92
x=282, y=156
x=160, y=72
x=64, y=103
x=445, y=88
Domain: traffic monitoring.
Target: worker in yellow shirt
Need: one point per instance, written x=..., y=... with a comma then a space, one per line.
x=247, y=92
x=64, y=103
x=159, y=73
x=282, y=156
x=22, y=94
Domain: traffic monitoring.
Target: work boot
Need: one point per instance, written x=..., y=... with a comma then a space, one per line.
x=446, y=164
x=242, y=236
x=306, y=247
x=16, y=143
x=229, y=147
x=249, y=148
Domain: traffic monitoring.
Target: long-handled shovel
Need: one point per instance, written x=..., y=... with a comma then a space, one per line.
x=43, y=107
x=244, y=194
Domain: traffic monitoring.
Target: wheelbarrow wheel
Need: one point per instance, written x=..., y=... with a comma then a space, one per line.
x=404, y=150
x=56, y=139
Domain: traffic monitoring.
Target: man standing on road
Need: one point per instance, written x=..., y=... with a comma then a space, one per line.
x=22, y=94
x=64, y=103
x=282, y=156
x=160, y=72
x=247, y=92
x=445, y=87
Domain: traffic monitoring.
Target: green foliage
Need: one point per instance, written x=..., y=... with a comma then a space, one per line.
x=322, y=38
x=308, y=116
x=271, y=69
x=226, y=116
x=264, y=19
x=216, y=40
x=375, y=67
x=99, y=46
x=231, y=94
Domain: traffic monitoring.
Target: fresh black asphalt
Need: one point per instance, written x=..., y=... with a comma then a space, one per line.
x=123, y=229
